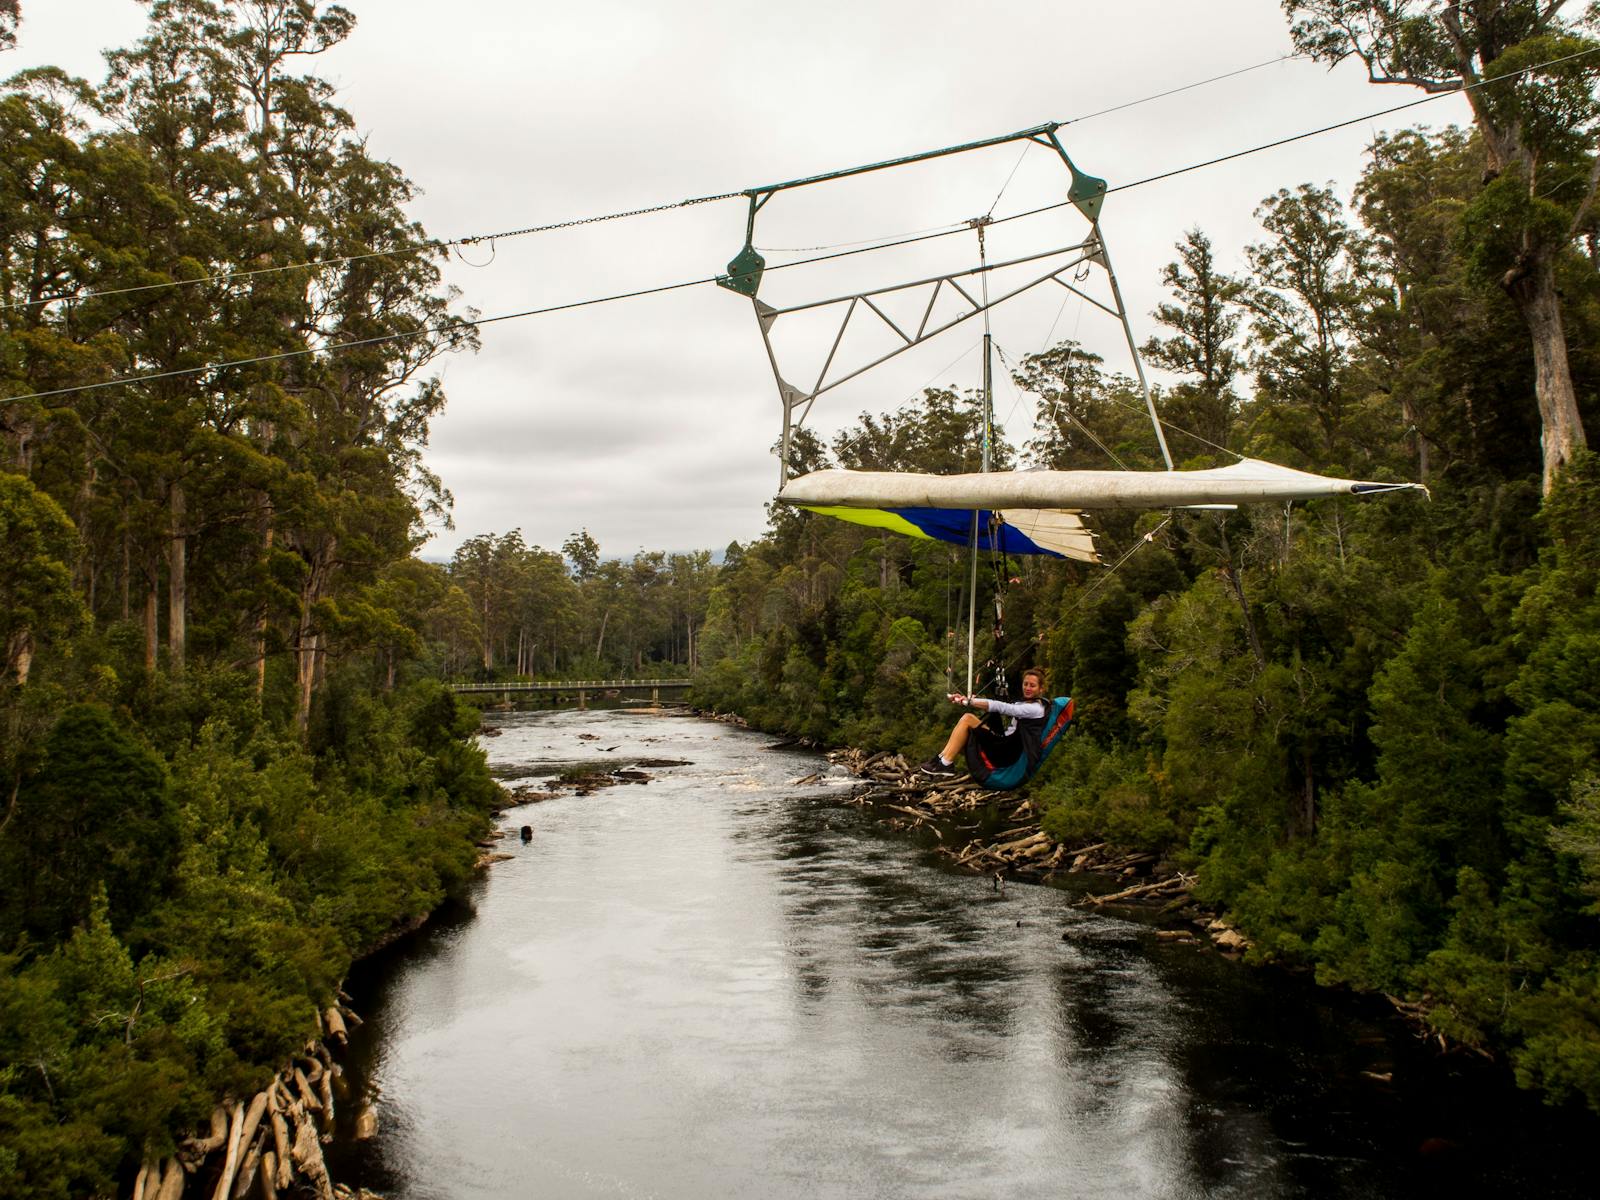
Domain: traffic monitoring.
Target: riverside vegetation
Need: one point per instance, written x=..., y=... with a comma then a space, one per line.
x=1368, y=731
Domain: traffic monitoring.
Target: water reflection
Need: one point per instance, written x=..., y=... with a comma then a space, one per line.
x=723, y=983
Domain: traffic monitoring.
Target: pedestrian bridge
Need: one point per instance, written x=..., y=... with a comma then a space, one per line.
x=582, y=689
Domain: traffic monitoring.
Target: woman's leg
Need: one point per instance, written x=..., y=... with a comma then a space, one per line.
x=958, y=737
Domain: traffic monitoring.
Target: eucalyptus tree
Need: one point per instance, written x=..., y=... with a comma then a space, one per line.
x=1310, y=281
x=1453, y=356
x=1203, y=318
x=1087, y=417
x=1528, y=69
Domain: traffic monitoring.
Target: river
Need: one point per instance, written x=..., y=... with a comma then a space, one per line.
x=725, y=982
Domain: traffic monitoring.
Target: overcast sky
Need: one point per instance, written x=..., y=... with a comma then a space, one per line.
x=649, y=422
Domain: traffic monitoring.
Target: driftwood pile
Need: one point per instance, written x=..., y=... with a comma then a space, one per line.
x=1021, y=850
x=273, y=1142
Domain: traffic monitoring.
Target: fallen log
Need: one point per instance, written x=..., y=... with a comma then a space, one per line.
x=172, y=1181
x=248, y=1139
x=248, y=1168
x=280, y=1142
x=269, y=1174
x=193, y=1151
x=230, y=1163
x=1031, y=840
x=335, y=1023
x=308, y=1097
x=1170, y=884
x=307, y=1152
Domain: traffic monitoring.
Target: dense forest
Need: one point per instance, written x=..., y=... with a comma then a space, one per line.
x=227, y=765
x=1372, y=728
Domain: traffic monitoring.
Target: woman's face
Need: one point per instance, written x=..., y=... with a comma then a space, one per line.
x=1031, y=687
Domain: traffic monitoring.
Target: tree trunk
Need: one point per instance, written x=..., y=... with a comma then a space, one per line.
x=1236, y=585
x=1533, y=290
x=152, y=601
x=261, y=631
x=177, y=583
x=488, y=638
x=307, y=640
x=19, y=655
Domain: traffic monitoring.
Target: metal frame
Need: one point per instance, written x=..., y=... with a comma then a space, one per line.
x=1086, y=193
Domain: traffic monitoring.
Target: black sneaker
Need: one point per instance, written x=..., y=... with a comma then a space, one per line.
x=936, y=766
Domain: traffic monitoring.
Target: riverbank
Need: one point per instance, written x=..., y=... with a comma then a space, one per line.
x=1011, y=845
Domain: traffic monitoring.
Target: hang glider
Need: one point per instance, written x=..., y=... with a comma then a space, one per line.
x=1039, y=512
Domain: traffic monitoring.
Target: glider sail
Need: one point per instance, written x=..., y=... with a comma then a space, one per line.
x=1038, y=512
x=1019, y=531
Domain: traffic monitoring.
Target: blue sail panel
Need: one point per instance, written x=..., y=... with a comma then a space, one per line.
x=955, y=526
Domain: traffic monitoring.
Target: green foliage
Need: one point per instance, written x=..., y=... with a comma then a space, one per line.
x=38, y=602
x=94, y=811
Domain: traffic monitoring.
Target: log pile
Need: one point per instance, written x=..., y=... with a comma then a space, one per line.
x=1020, y=850
x=271, y=1143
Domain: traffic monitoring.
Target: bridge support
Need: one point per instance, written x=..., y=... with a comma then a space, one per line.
x=655, y=697
x=583, y=700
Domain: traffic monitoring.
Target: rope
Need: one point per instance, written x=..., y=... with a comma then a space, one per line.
x=1146, y=540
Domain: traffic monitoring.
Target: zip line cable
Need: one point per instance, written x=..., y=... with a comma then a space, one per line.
x=447, y=327
x=1187, y=87
x=426, y=247
x=669, y=287
x=568, y=224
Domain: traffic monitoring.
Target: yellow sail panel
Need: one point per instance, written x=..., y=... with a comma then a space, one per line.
x=877, y=518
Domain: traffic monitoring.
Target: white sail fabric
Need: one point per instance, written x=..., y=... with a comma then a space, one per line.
x=1055, y=529
x=1249, y=481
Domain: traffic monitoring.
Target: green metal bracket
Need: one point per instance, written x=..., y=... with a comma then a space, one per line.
x=1087, y=193
x=744, y=272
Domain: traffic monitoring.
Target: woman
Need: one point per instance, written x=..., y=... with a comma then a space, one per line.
x=988, y=751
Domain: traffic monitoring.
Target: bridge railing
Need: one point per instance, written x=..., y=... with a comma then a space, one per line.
x=570, y=685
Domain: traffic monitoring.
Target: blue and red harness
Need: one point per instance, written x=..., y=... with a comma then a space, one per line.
x=989, y=769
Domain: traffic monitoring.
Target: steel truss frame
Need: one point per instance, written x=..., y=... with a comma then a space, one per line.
x=1086, y=193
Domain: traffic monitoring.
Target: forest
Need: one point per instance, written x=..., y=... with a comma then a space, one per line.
x=231, y=768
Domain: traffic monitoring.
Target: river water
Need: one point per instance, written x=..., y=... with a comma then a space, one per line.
x=725, y=982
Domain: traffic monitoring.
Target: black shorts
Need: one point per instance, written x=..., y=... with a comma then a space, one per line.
x=989, y=751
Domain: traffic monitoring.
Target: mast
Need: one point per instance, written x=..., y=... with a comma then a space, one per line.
x=986, y=428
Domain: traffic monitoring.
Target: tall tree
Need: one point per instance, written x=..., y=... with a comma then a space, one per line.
x=1528, y=72
x=1310, y=283
x=1204, y=320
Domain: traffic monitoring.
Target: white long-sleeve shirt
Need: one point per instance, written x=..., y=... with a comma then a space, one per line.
x=1031, y=709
